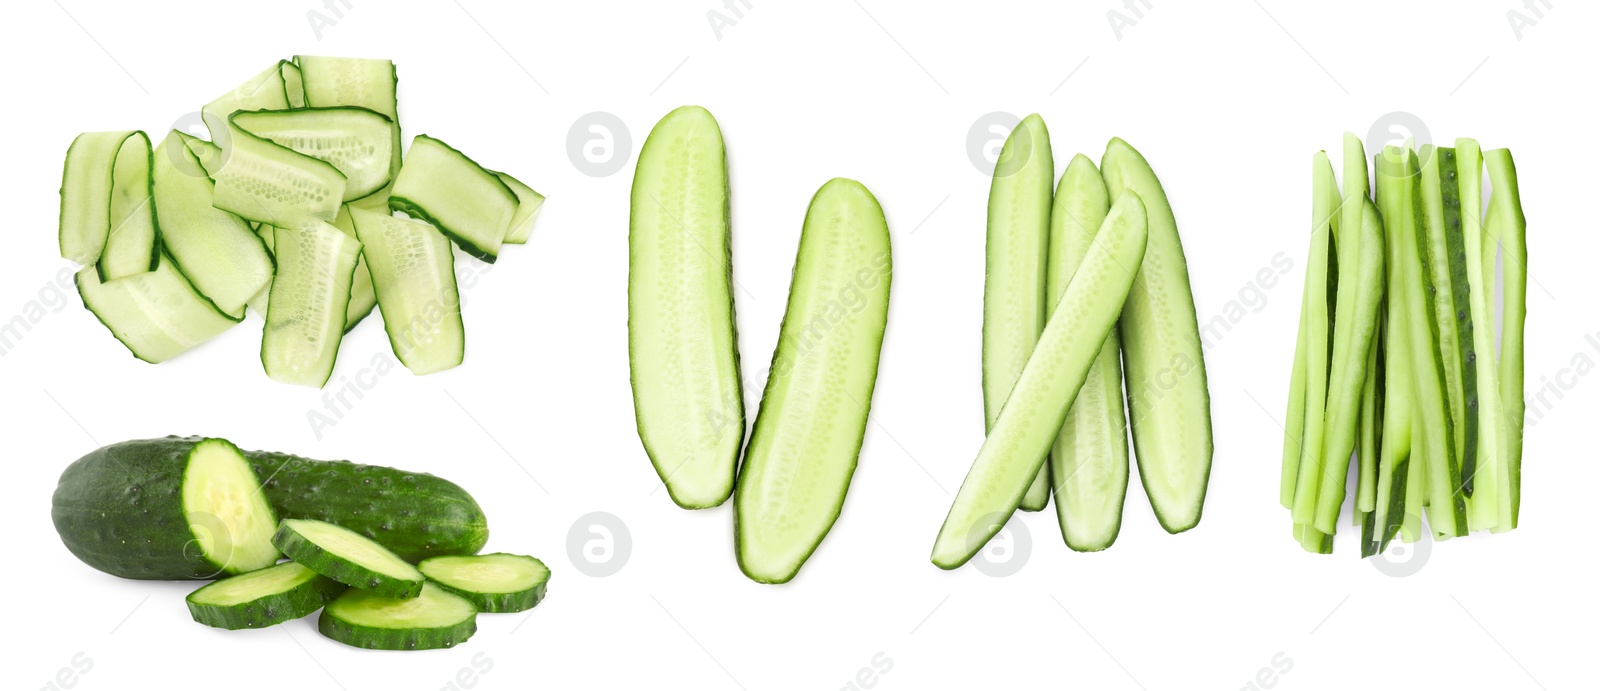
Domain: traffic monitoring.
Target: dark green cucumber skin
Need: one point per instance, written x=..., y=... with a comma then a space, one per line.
x=499, y=603
x=415, y=515
x=272, y=609
x=374, y=638
x=334, y=566
x=414, y=210
x=119, y=509
x=1461, y=300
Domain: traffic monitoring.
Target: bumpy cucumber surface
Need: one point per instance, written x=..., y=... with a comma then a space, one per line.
x=683, y=347
x=165, y=509
x=491, y=582
x=434, y=619
x=263, y=597
x=347, y=557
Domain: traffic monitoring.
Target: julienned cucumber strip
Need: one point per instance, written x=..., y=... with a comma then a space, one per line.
x=264, y=91
x=107, y=217
x=813, y=416
x=216, y=250
x=528, y=204
x=347, y=557
x=434, y=619
x=157, y=314
x=1488, y=494
x=1321, y=282
x=1371, y=417
x=440, y=185
x=310, y=297
x=413, y=272
x=354, y=140
x=1168, y=404
x=1446, y=259
x=268, y=183
x=683, y=351
x=1034, y=412
x=263, y=597
x=1014, y=304
x=1089, y=461
x=491, y=582
x=1506, y=224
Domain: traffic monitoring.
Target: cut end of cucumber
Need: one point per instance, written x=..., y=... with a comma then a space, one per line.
x=229, y=516
x=348, y=557
x=492, y=582
x=434, y=619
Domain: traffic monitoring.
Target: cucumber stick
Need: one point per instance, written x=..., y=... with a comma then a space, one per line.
x=1506, y=224
x=491, y=582
x=440, y=185
x=347, y=557
x=683, y=350
x=354, y=140
x=433, y=619
x=107, y=217
x=216, y=250
x=1168, y=404
x=1034, y=413
x=1014, y=305
x=156, y=315
x=413, y=272
x=1488, y=495
x=310, y=298
x=162, y=511
x=263, y=597
x=1089, y=461
x=1321, y=292
x=1446, y=259
x=813, y=415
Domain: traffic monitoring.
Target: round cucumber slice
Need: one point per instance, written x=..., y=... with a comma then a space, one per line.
x=347, y=557
x=263, y=597
x=491, y=582
x=434, y=619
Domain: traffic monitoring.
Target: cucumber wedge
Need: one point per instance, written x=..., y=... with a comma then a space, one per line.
x=347, y=557
x=528, y=204
x=310, y=297
x=1168, y=404
x=263, y=597
x=107, y=217
x=1014, y=304
x=440, y=185
x=813, y=416
x=683, y=348
x=267, y=183
x=157, y=314
x=434, y=619
x=413, y=272
x=1034, y=412
x=491, y=582
x=223, y=258
x=1089, y=462
x=354, y=140
x=1506, y=224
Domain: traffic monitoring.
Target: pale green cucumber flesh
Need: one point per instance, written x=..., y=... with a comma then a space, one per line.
x=528, y=204
x=682, y=341
x=223, y=258
x=1446, y=261
x=157, y=314
x=264, y=91
x=294, y=87
x=434, y=619
x=363, y=297
x=491, y=582
x=1488, y=495
x=814, y=413
x=267, y=183
x=1507, y=224
x=365, y=82
x=440, y=185
x=352, y=139
x=107, y=218
x=310, y=297
x=347, y=557
x=1322, y=274
x=413, y=271
x=261, y=598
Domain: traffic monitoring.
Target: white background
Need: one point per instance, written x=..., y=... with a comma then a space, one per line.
x=1227, y=102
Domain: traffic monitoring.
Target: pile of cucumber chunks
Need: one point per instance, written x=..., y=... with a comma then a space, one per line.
x=1396, y=361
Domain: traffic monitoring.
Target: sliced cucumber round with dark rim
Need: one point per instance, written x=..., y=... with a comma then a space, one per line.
x=263, y=597
x=434, y=619
x=492, y=582
x=348, y=557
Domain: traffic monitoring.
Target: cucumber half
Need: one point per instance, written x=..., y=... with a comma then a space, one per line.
x=263, y=597
x=433, y=619
x=347, y=557
x=491, y=582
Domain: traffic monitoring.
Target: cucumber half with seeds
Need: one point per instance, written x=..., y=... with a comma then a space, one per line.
x=491, y=582
x=263, y=597
x=433, y=619
x=347, y=557
x=440, y=185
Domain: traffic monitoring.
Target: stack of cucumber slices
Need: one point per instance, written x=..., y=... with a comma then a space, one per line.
x=684, y=358
x=390, y=557
x=290, y=210
x=1396, y=362
x=1074, y=279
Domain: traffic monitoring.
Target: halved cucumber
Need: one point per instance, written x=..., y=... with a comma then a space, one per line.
x=1014, y=304
x=528, y=204
x=491, y=582
x=1162, y=358
x=347, y=557
x=267, y=183
x=222, y=257
x=310, y=297
x=440, y=185
x=107, y=217
x=1034, y=412
x=1089, y=462
x=352, y=139
x=813, y=416
x=413, y=272
x=434, y=619
x=683, y=345
x=157, y=314
x=263, y=597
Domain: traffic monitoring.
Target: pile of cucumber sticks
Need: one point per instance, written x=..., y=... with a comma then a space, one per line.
x=1396, y=360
